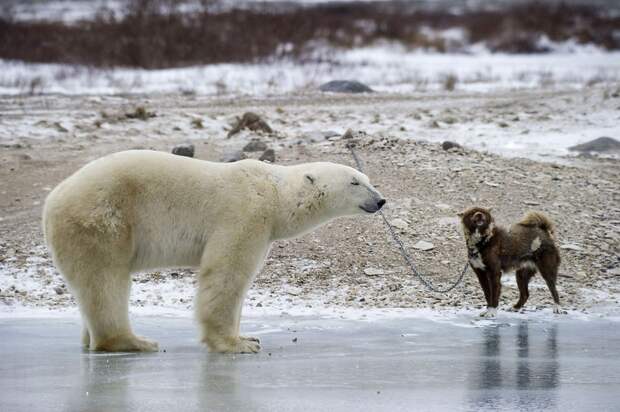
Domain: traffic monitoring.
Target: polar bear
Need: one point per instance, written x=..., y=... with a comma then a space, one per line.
x=139, y=210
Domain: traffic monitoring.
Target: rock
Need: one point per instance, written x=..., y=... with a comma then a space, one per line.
x=400, y=224
x=571, y=246
x=448, y=221
x=600, y=145
x=345, y=86
x=447, y=145
x=255, y=145
x=185, y=149
x=59, y=127
x=348, y=134
x=59, y=290
x=250, y=121
x=234, y=157
x=423, y=245
x=374, y=272
x=268, y=155
x=140, y=113
x=614, y=271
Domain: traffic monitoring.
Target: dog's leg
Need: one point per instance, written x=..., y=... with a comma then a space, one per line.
x=494, y=285
x=523, y=279
x=484, y=284
x=548, y=267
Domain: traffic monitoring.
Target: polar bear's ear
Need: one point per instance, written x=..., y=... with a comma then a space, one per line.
x=310, y=178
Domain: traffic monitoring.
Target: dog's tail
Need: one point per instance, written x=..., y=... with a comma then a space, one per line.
x=537, y=219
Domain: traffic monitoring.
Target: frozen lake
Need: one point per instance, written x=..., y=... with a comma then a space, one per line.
x=398, y=364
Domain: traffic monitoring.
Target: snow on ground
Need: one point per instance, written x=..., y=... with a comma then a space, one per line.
x=386, y=68
x=172, y=294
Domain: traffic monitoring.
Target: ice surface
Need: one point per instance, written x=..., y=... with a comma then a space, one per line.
x=310, y=363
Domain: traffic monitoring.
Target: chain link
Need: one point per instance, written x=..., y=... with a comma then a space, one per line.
x=401, y=246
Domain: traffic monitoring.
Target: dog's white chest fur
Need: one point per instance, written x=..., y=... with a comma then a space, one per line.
x=476, y=260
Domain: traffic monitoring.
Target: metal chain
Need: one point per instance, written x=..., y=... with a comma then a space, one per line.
x=401, y=246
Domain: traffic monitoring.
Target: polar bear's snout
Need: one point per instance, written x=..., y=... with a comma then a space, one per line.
x=374, y=204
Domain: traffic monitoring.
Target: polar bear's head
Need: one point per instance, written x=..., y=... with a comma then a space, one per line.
x=311, y=194
x=341, y=190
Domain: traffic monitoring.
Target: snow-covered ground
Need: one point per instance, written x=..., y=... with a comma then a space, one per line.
x=386, y=68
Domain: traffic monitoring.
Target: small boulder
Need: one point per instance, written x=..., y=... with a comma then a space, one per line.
x=400, y=224
x=250, y=121
x=345, y=86
x=185, y=149
x=374, y=271
x=234, y=157
x=600, y=145
x=447, y=145
x=423, y=245
x=255, y=145
x=268, y=155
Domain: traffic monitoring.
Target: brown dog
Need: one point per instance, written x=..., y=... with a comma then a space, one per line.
x=526, y=247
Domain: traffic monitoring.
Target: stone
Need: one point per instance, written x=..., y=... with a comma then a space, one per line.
x=345, y=86
x=600, y=145
x=250, y=121
x=400, y=224
x=268, y=155
x=423, y=245
x=571, y=246
x=234, y=157
x=374, y=271
x=185, y=149
x=447, y=145
x=348, y=134
x=614, y=271
x=255, y=145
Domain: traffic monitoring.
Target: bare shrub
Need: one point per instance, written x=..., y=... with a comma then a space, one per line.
x=161, y=34
x=449, y=82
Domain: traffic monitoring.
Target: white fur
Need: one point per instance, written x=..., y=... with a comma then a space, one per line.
x=476, y=262
x=535, y=244
x=140, y=210
x=489, y=313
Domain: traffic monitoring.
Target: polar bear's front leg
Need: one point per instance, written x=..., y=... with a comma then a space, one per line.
x=225, y=276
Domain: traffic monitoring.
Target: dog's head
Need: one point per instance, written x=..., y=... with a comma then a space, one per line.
x=477, y=221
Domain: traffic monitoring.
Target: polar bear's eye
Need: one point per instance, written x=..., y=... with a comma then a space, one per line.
x=355, y=183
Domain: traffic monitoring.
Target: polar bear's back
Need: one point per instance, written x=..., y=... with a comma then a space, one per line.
x=155, y=208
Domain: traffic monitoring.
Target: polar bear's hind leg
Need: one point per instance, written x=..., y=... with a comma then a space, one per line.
x=103, y=298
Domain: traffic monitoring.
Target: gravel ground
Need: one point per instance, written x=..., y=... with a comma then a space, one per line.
x=350, y=262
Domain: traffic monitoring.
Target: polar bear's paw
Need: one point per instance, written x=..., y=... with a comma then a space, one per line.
x=127, y=343
x=241, y=344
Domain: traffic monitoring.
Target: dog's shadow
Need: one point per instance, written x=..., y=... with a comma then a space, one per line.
x=524, y=373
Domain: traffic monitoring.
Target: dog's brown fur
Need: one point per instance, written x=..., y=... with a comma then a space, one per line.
x=527, y=247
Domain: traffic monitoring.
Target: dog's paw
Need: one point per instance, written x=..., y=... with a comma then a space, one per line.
x=559, y=311
x=515, y=308
x=489, y=313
